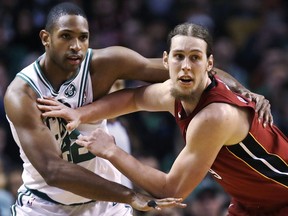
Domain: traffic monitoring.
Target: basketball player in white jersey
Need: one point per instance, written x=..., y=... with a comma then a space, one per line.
x=60, y=177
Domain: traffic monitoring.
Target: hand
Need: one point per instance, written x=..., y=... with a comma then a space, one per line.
x=146, y=203
x=53, y=108
x=98, y=143
x=263, y=107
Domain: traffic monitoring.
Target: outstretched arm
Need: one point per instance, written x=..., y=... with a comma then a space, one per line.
x=104, y=108
x=155, y=97
x=193, y=162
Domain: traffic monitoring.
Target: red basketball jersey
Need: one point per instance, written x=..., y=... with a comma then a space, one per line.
x=254, y=171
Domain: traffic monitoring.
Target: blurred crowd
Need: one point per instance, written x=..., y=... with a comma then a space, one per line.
x=250, y=42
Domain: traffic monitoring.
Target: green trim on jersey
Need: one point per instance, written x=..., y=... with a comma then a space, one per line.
x=30, y=82
x=84, y=77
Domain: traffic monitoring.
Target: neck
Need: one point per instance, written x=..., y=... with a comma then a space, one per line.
x=190, y=105
x=55, y=75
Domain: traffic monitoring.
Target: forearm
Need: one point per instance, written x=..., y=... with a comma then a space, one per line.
x=160, y=73
x=151, y=180
x=74, y=178
x=108, y=107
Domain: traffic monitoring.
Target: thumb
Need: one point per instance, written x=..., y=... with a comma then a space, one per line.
x=71, y=126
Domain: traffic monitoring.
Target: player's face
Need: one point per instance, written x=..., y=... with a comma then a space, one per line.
x=69, y=42
x=188, y=66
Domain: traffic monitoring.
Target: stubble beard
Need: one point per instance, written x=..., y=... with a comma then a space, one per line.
x=185, y=97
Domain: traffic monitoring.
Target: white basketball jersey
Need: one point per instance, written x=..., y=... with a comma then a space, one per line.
x=74, y=92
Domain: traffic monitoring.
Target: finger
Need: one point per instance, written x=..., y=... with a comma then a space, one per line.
x=165, y=204
x=260, y=109
x=271, y=120
x=47, y=101
x=81, y=142
x=49, y=97
x=52, y=113
x=267, y=118
x=169, y=199
x=265, y=113
x=43, y=107
x=71, y=126
x=48, y=107
x=258, y=106
x=260, y=116
x=83, y=138
x=249, y=96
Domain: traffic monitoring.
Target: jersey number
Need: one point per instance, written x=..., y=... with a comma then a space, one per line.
x=70, y=150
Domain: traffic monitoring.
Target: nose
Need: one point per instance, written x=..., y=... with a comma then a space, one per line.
x=186, y=66
x=75, y=45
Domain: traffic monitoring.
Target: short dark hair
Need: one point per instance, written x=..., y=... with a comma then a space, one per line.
x=65, y=8
x=193, y=30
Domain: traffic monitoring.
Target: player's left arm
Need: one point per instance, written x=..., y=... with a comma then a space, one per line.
x=191, y=165
x=123, y=63
x=154, y=97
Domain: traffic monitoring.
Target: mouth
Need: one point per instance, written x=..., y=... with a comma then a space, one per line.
x=74, y=59
x=186, y=80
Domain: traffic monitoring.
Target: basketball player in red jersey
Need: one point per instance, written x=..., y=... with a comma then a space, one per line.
x=221, y=129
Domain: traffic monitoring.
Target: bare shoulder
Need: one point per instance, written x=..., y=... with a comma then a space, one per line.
x=221, y=114
x=228, y=120
x=17, y=89
x=20, y=99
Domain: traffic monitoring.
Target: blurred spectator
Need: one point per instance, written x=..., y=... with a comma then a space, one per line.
x=200, y=14
x=225, y=53
x=283, y=111
x=14, y=180
x=6, y=161
x=105, y=23
x=6, y=198
x=244, y=20
x=271, y=33
x=4, y=80
x=166, y=212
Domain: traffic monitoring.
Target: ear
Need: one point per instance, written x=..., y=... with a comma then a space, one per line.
x=45, y=37
x=165, y=59
x=210, y=63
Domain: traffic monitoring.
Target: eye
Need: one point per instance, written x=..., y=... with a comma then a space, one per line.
x=195, y=57
x=178, y=56
x=83, y=38
x=65, y=36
